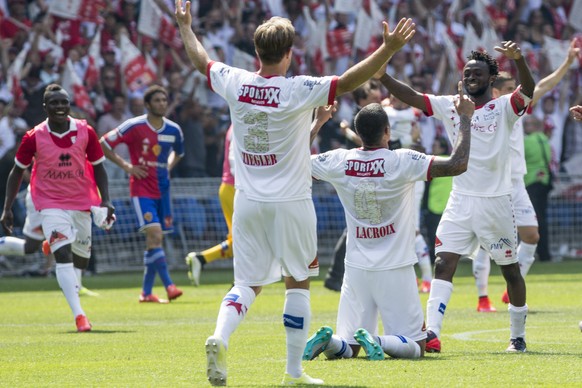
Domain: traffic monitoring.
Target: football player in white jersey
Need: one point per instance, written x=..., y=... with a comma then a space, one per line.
x=376, y=188
x=525, y=215
x=405, y=133
x=479, y=210
x=274, y=224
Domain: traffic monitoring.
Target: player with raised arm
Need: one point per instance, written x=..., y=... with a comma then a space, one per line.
x=66, y=174
x=479, y=209
x=376, y=188
x=274, y=225
x=156, y=145
x=525, y=215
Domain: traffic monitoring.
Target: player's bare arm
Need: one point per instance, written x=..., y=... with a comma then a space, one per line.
x=458, y=161
x=402, y=91
x=173, y=160
x=194, y=48
x=12, y=186
x=547, y=83
x=576, y=112
x=364, y=70
x=322, y=115
x=133, y=170
x=512, y=51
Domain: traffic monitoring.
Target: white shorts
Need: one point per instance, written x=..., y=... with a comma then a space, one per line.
x=469, y=221
x=525, y=214
x=391, y=293
x=418, y=194
x=62, y=227
x=33, y=223
x=271, y=239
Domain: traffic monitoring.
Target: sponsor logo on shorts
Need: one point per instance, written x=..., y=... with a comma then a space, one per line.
x=314, y=263
x=148, y=217
x=503, y=242
x=437, y=242
x=365, y=168
x=508, y=253
x=168, y=221
x=293, y=322
x=56, y=236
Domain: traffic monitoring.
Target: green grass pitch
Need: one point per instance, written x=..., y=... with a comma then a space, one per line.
x=147, y=345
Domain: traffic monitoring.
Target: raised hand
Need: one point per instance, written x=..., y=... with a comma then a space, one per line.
x=402, y=33
x=510, y=49
x=576, y=112
x=183, y=16
x=464, y=105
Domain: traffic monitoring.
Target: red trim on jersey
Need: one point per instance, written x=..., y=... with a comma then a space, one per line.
x=429, y=112
x=332, y=90
x=208, y=74
x=428, y=176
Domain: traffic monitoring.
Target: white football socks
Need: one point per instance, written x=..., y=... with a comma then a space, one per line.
x=517, y=316
x=338, y=348
x=12, y=246
x=79, y=275
x=399, y=346
x=423, y=258
x=68, y=283
x=481, y=270
x=232, y=311
x=525, y=255
x=296, y=319
x=438, y=299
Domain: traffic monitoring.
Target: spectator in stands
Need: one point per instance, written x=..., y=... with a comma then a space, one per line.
x=106, y=123
x=155, y=147
x=66, y=145
x=190, y=119
x=273, y=177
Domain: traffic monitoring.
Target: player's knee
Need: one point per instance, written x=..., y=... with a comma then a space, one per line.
x=444, y=267
x=31, y=246
x=530, y=237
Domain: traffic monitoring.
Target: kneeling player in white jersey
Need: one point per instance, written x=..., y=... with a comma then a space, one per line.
x=376, y=188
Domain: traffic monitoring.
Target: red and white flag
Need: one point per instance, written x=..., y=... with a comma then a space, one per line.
x=88, y=10
x=94, y=54
x=368, y=26
x=13, y=78
x=154, y=23
x=72, y=83
x=138, y=74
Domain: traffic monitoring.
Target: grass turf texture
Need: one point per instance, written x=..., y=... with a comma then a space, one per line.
x=136, y=345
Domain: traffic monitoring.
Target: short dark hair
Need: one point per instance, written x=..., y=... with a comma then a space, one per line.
x=370, y=123
x=483, y=56
x=149, y=93
x=363, y=91
x=52, y=88
x=501, y=78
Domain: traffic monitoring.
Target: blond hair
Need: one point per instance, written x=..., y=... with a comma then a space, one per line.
x=273, y=39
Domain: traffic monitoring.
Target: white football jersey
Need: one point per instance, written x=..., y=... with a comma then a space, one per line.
x=489, y=170
x=518, y=167
x=376, y=189
x=271, y=119
x=401, y=121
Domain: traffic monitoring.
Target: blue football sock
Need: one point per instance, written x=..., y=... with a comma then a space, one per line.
x=149, y=277
x=162, y=268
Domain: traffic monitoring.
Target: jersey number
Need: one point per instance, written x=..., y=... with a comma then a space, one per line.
x=257, y=139
x=367, y=207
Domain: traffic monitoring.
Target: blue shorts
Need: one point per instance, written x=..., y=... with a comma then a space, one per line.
x=152, y=212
